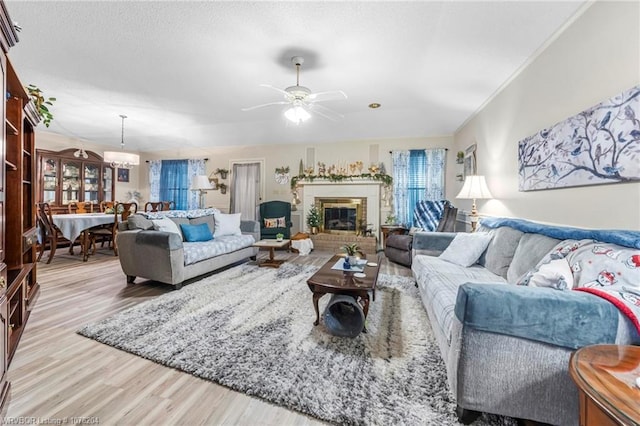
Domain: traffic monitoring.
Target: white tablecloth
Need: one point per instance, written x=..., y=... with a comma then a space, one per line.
x=303, y=246
x=71, y=225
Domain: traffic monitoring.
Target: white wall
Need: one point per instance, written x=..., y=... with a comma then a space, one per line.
x=596, y=57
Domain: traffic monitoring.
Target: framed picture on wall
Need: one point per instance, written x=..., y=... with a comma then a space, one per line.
x=123, y=175
x=470, y=161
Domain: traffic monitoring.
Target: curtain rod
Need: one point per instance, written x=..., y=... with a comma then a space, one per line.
x=205, y=159
x=446, y=149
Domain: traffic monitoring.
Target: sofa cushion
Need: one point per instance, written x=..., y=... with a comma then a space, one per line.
x=166, y=225
x=137, y=221
x=465, y=249
x=227, y=224
x=553, y=273
x=531, y=248
x=501, y=249
x=439, y=280
x=276, y=222
x=209, y=220
x=195, y=252
x=539, y=314
x=195, y=233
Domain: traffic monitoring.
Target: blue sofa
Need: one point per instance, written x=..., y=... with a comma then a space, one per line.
x=507, y=347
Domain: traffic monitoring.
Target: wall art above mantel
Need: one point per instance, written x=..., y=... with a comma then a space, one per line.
x=597, y=146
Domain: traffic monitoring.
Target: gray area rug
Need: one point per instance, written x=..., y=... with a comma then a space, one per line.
x=251, y=329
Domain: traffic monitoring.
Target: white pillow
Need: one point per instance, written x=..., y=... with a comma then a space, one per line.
x=227, y=224
x=466, y=249
x=555, y=274
x=167, y=225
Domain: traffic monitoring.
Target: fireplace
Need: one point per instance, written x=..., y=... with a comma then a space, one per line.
x=342, y=215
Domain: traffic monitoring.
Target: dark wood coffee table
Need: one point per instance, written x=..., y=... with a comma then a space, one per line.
x=328, y=280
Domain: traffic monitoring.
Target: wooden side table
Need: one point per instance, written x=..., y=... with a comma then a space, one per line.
x=605, y=376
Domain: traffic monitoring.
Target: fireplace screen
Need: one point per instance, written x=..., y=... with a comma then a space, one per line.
x=342, y=215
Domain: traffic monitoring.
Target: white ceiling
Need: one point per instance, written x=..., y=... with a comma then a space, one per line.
x=182, y=70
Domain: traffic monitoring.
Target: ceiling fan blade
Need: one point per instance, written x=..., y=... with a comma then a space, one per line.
x=330, y=95
x=285, y=93
x=264, y=105
x=325, y=112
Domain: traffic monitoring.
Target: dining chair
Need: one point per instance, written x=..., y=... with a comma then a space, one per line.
x=105, y=205
x=50, y=233
x=108, y=233
x=168, y=205
x=82, y=207
x=155, y=206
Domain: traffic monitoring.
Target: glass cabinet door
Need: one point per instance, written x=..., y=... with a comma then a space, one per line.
x=107, y=182
x=50, y=180
x=70, y=181
x=91, y=183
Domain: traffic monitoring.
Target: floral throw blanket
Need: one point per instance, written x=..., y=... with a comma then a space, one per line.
x=606, y=270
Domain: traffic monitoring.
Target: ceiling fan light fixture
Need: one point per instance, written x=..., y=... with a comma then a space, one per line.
x=297, y=114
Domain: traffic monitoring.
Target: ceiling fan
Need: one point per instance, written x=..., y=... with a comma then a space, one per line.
x=302, y=100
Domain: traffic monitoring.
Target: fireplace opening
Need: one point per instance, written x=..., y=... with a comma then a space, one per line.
x=342, y=215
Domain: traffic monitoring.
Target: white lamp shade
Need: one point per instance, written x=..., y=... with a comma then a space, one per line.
x=297, y=114
x=201, y=182
x=475, y=187
x=120, y=157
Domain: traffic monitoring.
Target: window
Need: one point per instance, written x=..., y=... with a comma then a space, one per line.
x=418, y=174
x=169, y=180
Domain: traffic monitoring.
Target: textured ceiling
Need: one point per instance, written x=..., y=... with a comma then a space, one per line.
x=181, y=71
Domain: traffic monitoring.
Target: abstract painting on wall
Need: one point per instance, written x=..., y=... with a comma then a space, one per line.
x=599, y=145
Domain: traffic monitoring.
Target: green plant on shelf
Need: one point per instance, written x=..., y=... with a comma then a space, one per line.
x=41, y=103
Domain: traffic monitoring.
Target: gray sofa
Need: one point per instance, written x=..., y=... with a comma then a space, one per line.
x=507, y=347
x=165, y=257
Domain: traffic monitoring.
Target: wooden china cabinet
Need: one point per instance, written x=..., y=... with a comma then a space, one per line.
x=18, y=233
x=66, y=176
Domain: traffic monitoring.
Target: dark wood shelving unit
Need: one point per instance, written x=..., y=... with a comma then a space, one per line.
x=18, y=232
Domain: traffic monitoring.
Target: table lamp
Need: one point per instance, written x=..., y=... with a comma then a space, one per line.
x=475, y=187
x=201, y=183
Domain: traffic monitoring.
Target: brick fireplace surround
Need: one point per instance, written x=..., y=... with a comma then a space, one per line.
x=352, y=189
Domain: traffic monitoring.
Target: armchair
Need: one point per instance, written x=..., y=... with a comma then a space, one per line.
x=438, y=216
x=275, y=210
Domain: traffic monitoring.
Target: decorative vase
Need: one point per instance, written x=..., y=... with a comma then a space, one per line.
x=223, y=175
x=314, y=230
x=346, y=264
x=353, y=260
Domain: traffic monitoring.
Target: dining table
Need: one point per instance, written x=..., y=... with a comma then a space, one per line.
x=72, y=225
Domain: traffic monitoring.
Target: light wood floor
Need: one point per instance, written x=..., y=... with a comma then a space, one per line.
x=57, y=374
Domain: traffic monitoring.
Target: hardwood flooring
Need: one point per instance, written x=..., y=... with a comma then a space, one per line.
x=57, y=374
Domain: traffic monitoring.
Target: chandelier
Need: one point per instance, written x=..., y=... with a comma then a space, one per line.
x=121, y=159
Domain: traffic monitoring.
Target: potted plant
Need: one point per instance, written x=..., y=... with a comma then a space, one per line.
x=313, y=219
x=353, y=253
x=279, y=236
x=223, y=188
x=41, y=103
x=460, y=157
x=222, y=172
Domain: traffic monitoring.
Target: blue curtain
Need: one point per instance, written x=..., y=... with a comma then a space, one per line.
x=174, y=182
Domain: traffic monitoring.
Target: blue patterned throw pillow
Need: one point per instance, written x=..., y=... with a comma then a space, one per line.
x=193, y=233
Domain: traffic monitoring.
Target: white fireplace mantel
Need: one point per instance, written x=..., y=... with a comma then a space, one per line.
x=320, y=188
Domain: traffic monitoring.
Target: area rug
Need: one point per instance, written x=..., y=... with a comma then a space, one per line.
x=251, y=329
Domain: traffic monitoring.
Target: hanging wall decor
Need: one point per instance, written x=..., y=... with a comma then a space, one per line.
x=599, y=145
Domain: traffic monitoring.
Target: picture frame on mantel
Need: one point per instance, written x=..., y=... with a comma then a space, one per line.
x=470, y=161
